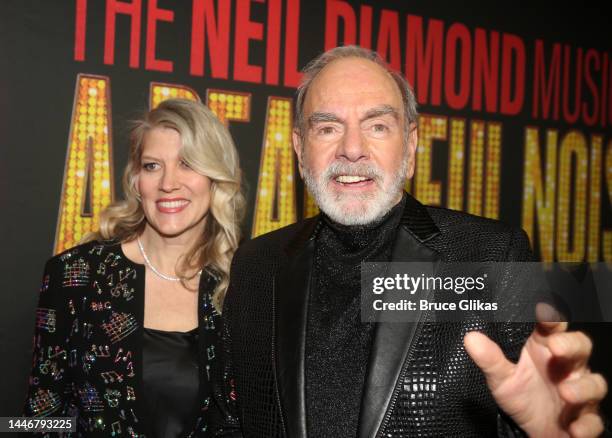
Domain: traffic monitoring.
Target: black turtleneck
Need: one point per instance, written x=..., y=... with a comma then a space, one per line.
x=337, y=342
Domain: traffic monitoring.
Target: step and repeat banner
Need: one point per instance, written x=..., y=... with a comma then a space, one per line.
x=515, y=114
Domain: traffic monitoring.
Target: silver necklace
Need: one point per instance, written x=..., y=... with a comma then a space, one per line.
x=150, y=265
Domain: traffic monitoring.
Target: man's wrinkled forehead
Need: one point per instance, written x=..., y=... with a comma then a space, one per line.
x=351, y=82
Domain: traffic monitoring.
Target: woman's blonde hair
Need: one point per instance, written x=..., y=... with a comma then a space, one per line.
x=207, y=148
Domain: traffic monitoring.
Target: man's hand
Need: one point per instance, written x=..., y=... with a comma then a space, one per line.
x=550, y=391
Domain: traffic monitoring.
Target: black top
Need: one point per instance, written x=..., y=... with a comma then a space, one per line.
x=337, y=342
x=170, y=376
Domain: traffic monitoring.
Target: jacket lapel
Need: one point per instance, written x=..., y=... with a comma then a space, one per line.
x=291, y=292
x=392, y=340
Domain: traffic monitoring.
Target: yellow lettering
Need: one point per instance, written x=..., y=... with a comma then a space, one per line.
x=275, y=201
x=160, y=91
x=455, y=164
x=88, y=174
x=539, y=196
x=595, y=199
x=229, y=105
x=493, y=170
x=573, y=146
x=431, y=128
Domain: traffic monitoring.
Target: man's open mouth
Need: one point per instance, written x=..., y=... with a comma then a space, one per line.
x=351, y=179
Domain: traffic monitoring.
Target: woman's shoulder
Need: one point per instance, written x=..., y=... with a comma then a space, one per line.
x=83, y=256
x=96, y=266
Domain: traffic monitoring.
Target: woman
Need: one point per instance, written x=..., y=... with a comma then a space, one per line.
x=121, y=326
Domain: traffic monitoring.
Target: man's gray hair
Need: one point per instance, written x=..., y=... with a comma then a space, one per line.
x=315, y=66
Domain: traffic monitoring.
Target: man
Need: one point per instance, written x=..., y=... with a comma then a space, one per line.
x=299, y=361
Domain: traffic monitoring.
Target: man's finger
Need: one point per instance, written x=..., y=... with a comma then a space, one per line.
x=590, y=388
x=549, y=319
x=571, y=346
x=489, y=358
x=586, y=426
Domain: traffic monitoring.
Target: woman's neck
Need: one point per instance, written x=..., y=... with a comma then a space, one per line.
x=163, y=251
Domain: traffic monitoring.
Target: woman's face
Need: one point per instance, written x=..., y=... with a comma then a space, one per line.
x=175, y=198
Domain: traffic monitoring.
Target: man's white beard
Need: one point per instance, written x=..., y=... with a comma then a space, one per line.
x=356, y=209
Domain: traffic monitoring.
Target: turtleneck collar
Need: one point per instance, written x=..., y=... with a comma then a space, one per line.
x=357, y=237
x=337, y=342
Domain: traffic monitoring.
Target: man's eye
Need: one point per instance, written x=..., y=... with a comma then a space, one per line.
x=326, y=130
x=150, y=166
x=379, y=127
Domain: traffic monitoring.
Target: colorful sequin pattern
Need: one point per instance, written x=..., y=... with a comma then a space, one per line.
x=76, y=273
x=209, y=321
x=88, y=342
x=119, y=326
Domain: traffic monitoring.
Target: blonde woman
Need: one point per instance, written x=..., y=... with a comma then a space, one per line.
x=128, y=323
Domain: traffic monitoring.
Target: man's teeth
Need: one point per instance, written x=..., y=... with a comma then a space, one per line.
x=347, y=179
x=172, y=204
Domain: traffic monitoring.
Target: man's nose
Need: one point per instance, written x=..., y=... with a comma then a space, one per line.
x=353, y=146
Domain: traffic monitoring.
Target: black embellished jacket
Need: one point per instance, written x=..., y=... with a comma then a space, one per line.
x=419, y=379
x=87, y=360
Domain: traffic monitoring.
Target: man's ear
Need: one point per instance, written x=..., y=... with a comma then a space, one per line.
x=413, y=139
x=297, y=147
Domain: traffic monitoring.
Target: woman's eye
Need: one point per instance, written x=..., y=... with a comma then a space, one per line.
x=185, y=164
x=149, y=166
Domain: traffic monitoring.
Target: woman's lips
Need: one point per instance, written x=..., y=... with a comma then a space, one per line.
x=171, y=206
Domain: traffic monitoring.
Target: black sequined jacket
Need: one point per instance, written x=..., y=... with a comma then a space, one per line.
x=420, y=380
x=87, y=360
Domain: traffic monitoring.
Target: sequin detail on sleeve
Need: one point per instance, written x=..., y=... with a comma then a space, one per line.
x=44, y=402
x=45, y=319
x=119, y=326
x=76, y=274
